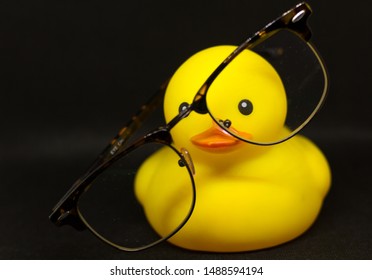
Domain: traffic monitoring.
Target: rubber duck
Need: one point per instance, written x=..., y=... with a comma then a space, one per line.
x=248, y=197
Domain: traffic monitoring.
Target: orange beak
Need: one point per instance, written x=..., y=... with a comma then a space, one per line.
x=215, y=138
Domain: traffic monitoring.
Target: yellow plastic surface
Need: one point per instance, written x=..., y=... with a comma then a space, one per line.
x=248, y=197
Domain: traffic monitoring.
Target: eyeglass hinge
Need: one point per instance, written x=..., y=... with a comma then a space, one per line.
x=70, y=218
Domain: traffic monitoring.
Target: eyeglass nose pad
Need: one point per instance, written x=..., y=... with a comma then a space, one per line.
x=188, y=159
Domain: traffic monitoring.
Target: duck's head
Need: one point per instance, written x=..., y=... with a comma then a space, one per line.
x=248, y=97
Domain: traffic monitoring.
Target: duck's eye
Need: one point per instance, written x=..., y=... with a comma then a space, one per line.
x=245, y=107
x=183, y=107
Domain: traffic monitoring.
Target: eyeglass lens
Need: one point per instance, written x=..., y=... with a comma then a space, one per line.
x=112, y=206
x=266, y=94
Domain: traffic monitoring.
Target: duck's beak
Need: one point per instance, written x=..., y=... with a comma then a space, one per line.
x=215, y=138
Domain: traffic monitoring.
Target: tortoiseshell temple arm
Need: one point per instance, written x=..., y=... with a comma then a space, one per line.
x=134, y=124
x=65, y=210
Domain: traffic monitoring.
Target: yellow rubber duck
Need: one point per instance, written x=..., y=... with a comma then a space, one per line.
x=248, y=197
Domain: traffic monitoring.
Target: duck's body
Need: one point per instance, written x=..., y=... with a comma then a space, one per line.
x=248, y=197
x=259, y=202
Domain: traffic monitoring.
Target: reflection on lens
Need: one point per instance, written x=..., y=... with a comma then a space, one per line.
x=150, y=175
x=270, y=92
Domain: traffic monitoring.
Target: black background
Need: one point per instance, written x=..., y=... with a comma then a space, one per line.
x=73, y=72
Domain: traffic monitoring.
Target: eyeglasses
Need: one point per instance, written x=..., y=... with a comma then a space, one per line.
x=107, y=199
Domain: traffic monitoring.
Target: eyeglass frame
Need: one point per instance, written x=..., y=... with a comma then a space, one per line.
x=66, y=210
